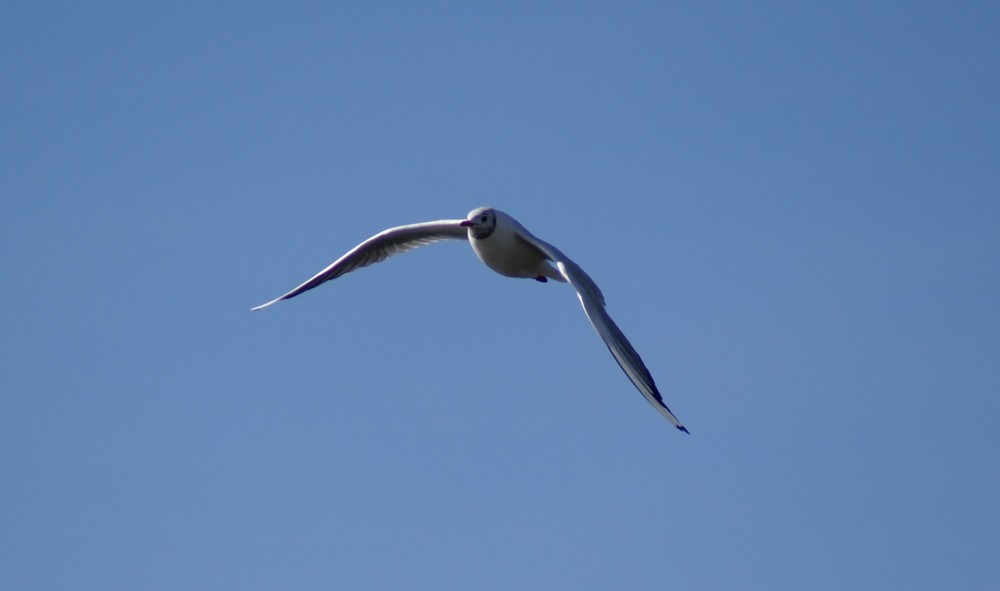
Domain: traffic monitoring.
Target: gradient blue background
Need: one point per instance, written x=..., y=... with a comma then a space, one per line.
x=793, y=209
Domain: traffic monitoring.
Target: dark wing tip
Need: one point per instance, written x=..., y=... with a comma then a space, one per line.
x=683, y=428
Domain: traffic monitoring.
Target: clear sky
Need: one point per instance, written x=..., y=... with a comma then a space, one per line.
x=792, y=208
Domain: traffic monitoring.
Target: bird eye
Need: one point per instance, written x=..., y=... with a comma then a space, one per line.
x=483, y=219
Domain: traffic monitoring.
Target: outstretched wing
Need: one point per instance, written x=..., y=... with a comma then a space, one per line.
x=593, y=306
x=380, y=247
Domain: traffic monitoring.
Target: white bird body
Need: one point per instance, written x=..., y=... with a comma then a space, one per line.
x=507, y=253
x=508, y=248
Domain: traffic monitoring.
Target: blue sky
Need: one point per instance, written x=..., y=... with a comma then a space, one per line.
x=792, y=208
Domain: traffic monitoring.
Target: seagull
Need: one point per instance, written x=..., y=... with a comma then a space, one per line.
x=508, y=248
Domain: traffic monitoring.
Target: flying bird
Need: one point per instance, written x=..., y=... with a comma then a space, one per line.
x=508, y=248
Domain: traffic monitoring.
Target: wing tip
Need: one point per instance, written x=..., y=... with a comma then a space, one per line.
x=262, y=306
x=683, y=428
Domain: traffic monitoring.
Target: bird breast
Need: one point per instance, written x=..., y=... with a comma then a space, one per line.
x=509, y=255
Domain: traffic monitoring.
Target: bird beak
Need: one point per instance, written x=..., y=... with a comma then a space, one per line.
x=465, y=223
